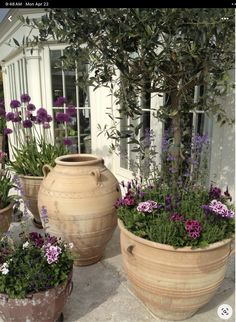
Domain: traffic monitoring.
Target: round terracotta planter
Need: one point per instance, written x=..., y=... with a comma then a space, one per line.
x=5, y=218
x=30, y=185
x=79, y=195
x=44, y=306
x=173, y=283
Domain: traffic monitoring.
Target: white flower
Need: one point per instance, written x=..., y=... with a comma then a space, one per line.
x=25, y=245
x=4, y=268
x=71, y=245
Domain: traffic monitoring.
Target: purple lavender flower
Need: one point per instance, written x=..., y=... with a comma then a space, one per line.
x=27, y=124
x=25, y=98
x=7, y=131
x=67, y=142
x=31, y=107
x=199, y=141
x=44, y=215
x=63, y=117
x=15, y=104
x=164, y=142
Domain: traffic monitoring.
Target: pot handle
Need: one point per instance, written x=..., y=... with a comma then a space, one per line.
x=97, y=174
x=129, y=249
x=69, y=288
x=46, y=169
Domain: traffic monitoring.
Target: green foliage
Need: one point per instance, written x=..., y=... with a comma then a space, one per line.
x=26, y=265
x=30, y=158
x=6, y=184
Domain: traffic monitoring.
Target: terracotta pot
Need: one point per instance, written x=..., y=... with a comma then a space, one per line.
x=5, y=218
x=44, y=306
x=79, y=194
x=173, y=283
x=30, y=187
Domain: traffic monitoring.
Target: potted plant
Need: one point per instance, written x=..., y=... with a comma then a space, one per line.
x=175, y=243
x=32, y=147
x=35, y=277
x=7, y=198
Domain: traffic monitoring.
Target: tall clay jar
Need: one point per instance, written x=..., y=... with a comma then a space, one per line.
x=78, y=196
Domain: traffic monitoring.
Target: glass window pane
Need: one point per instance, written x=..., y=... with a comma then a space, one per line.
x=56, y=74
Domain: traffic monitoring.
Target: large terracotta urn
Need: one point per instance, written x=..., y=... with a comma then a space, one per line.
x=173, y=283
x=78, y=195
x=30, y=187
x=5, y=217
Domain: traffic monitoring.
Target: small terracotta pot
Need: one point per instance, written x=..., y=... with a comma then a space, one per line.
x=44, y=306
x=173, y=283
x=5, y=218
x=31, y=187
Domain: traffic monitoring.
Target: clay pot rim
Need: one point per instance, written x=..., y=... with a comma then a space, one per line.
x=9, y=206
x=185, y=249
x=92, y=159
x=30, y=177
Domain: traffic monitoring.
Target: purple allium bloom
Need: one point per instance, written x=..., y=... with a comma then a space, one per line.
x=42, y=114
x=49, y=118
x=7, y=131
x=31, y=107
x=67, y=142
x=52, y=253
x=25, y=98
x=46, y=125
x=71, y=110
x=60, y=101
x=177, y=217
x=2, y=112
x=15, y=104
x=63, y=117
x=215, y=192
x=27, y=124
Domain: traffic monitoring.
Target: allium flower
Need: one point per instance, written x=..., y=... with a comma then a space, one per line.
x=42, y=114
x=7, y=131
x=25, y=98
x=71, y=110
x=31, y=107
x=10, y=116
x=63, y=117
x=52, y=253
x=15, y=104
x=4, y=268
x=67, y=141
x=27, y=124
x=60, y=101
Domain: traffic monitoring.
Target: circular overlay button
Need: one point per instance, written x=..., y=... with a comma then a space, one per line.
x=225, y=311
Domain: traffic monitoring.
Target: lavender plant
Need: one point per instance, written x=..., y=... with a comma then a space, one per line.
x=194, y=214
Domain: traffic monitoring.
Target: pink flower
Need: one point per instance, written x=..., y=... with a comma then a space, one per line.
x=52, y=253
